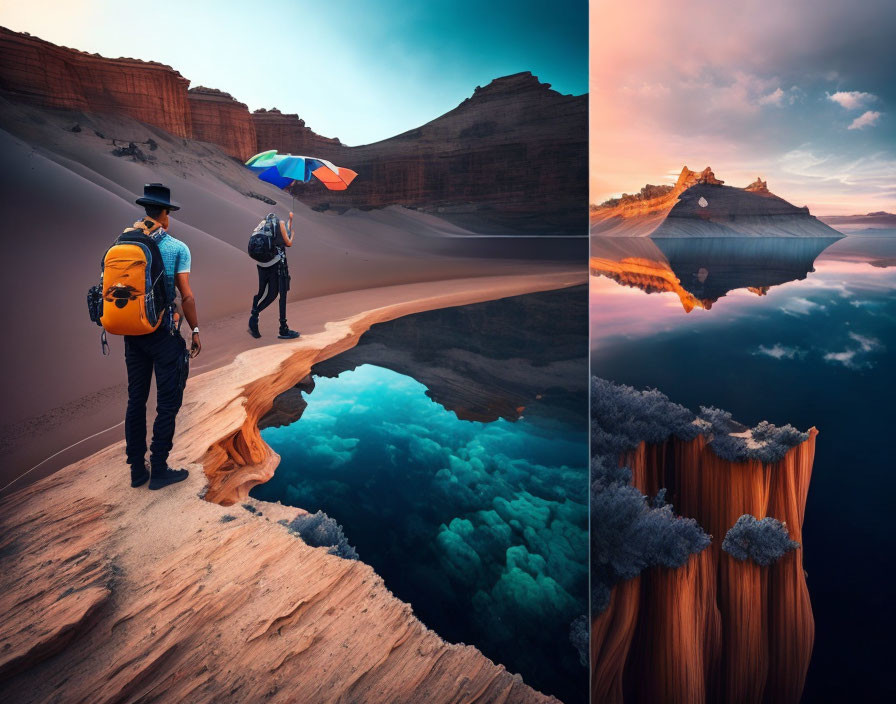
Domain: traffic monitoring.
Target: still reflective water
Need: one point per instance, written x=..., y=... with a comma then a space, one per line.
x=790, y=331
x=452, y=447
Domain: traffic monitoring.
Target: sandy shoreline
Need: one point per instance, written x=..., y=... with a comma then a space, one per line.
x=161, y=596
x=35, y=441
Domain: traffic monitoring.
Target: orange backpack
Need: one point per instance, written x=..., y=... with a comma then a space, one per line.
x=133, y=294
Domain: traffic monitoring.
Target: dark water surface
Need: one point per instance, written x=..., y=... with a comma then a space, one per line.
x=772, y=336
x=452, y=447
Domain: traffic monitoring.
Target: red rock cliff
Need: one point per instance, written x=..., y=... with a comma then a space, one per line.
x=37, y=71
x=717, y=629
x=288, y=133
x=218, y=118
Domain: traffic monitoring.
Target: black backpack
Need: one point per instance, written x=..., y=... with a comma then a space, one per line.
x=261, y=242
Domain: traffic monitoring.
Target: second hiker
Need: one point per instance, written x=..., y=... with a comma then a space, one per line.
x=273, y=273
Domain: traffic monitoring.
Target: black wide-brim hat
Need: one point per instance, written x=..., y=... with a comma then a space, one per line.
x=158, y=195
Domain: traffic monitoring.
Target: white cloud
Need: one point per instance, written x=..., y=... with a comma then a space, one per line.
x=866, y=119
x=779, y=351
x=866, y=343
x=845, y=358
x=851, y=99
x=800, y=306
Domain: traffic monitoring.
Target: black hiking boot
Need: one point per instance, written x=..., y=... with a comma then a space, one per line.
x=139, y=475
x=161, y=479
x=253, y=326
x=286, y=333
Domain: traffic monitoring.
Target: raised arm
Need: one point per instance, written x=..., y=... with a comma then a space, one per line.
x=286, y=232
x=188, y=303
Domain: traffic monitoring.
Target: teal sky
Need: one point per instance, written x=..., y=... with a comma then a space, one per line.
x=354, y=69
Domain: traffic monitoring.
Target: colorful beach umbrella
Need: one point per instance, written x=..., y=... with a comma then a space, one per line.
x=284, y=169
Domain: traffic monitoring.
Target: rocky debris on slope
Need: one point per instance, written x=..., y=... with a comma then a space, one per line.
x=703, y=625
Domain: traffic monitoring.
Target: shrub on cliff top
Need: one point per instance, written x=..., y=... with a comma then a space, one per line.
x=319, y=530
x=622, y=417
x=764, y=541
x=630, y=533
x=770, y=443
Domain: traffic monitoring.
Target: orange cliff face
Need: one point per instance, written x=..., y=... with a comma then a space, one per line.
x=220, y=119
x=653, y=199
x=716, y=629
x=42, y=73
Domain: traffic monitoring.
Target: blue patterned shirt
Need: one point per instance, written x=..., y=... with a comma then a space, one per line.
x=175, y=255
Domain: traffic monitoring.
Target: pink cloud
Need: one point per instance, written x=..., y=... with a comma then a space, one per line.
x=773, y=98
x=866, y=119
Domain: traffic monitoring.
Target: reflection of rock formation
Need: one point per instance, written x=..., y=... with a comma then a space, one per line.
x=716, y=628
x=481, y=361
x=699, y=205
x=289, y=406
x=700, y=271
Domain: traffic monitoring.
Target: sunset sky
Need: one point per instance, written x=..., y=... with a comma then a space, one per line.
x=799, y=92
x=354, y=69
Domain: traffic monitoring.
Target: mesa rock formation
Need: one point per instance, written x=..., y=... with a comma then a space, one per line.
x=511, y=158
x=700, y=205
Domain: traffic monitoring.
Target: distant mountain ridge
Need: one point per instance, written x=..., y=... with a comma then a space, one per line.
x=701, y=205
x=510, y=158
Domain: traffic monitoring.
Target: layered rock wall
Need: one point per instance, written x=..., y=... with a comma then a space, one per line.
x=220, y=119
x=39, y=72
x=287, y=132
x=511, y=158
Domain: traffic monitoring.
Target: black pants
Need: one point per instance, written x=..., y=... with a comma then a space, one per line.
x=273, y=281
x=165, y=354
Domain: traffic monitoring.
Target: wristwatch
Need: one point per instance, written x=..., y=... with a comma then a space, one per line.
x=196, y=330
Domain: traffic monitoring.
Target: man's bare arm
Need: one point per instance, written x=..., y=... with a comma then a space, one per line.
x=188, y=303
x=286, y=231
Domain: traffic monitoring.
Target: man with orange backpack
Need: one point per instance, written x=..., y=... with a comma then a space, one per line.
x=141, y=272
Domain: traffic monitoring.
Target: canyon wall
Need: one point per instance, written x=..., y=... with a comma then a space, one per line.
x=717, y=629
x=511, y=158
x=36, y=71
x=288, y=133
x=218, y=118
